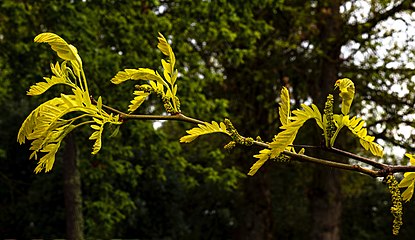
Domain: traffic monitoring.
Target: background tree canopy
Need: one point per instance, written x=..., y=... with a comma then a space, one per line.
x=233, y=58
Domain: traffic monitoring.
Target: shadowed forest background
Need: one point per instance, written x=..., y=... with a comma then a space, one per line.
x=233, y=58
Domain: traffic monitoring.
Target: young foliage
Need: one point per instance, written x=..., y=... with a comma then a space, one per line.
x=48, y=124
x=347, y=90
x=290, y=126
x=355, y=125
x=285, y=138
x=408, y=181
x=203, y=129
x=61, y=47
x=65, y=51
x=155, y=82
x=331, y=124
x=285, y=109
x=60, y=77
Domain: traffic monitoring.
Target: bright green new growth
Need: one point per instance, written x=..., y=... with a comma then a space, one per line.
x=292, y=121
x=346, y=87
x=46, y=126
x=203, y=129
x=155, y=83
x=285, y=110
x=408, y=181
x=285, y=138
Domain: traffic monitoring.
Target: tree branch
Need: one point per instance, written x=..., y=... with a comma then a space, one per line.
x=126, y=116
x=357, y=157
x=177, y=117
x=384, y=168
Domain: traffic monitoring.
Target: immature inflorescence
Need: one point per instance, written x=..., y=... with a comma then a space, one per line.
x=282, y=158
x=166, y=100
x=230, y=145
x=328, y=111
x=144, y=88
x=396, y=208
x=236, y=137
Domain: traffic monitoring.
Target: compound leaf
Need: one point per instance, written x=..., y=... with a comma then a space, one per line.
x=42, y=87
x=61, y=47
x=408, y=181
x=141, y=96
x=202, y=129
x=263, y=156
x=137, y=74
x=166, y=49
x=284, y=110
x=355, y=125
x=347, y=90
x=283, y=139
x=96, y=135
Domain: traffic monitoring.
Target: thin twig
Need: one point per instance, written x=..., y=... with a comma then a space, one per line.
x=126, y=116
x=344, y=166
x=304, y=146
x=328, y=163
x=108, y=107
x=357, y=157
x=177, y=117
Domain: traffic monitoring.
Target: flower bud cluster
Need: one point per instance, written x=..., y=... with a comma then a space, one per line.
x=328, y=111
x=230, y=145
x=236, y=137
x=166, y=100
x=283, y=158
x=167, y=104
x=144, y=88
x=396, y=208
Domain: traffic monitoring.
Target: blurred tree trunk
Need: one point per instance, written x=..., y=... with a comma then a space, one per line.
x=256, y=220
x=72, y=191
x=325, y=192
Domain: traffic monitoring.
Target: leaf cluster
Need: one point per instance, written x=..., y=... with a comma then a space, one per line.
x=48, y=124
x=165, y=88
x=329, y=123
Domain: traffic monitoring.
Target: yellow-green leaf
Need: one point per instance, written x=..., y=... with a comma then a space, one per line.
x=411, y=158
x=408, y=182
x=96, y=135
x=47, y=161
x=355, y=125
x=263, y=156
x=99, y=104
x=285, y=109
x=166, y=49
x=202, y=129
x=283, y=139
x=141, y=96
x=408, y=179
x=138, y=74
x=61, y=47
x=42, y=87
x=347, y=90
x=32, y=121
